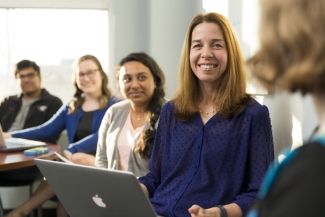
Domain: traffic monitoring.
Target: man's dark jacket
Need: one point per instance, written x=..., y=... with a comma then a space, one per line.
x=40, y=111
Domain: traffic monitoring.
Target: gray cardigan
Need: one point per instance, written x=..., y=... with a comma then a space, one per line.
x=109, y=131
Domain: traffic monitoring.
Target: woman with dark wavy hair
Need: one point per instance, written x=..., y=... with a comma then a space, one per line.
x=81, y=119
x=128, y=129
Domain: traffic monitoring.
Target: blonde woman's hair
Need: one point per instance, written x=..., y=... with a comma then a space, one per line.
x=231, y=96
x=78, y=95
x=291, y=55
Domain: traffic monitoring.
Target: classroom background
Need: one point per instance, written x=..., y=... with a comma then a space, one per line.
x=54, y=33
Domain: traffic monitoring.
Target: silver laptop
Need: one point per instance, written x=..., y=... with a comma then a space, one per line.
x=89, y=191
x=17, y=144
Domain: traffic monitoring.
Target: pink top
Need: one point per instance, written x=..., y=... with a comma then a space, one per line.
x=125, y=142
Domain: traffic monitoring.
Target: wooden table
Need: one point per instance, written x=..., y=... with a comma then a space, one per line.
x=16, y=160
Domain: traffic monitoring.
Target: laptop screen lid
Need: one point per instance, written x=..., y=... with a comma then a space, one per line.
x=17, y=144
x=89, y=191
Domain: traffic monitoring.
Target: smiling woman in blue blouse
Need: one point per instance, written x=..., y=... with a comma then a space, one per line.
x=214, y=142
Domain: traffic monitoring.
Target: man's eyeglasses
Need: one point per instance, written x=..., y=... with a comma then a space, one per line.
x=90, y=74
x=29, y=75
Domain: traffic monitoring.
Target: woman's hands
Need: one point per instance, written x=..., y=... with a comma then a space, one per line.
x=197, y=211
x=233, y=210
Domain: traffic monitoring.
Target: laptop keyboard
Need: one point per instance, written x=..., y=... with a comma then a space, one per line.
x=14, y=145
x=20, y=143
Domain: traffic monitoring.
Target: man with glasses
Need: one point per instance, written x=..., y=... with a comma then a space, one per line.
x=33, y=107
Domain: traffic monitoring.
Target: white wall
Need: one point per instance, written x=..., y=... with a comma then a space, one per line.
x=293, y=119
x=155, y=27
x=169, y=23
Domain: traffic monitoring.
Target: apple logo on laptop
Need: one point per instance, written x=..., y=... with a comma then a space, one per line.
x=99, y=201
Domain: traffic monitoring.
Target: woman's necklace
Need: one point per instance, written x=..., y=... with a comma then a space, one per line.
x=207, y=107
x=139, y=115
x=208, y=112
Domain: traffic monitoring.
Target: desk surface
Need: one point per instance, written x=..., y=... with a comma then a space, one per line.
x=16, y=160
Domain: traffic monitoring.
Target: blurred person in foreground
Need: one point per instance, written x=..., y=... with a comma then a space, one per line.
x=291, y=57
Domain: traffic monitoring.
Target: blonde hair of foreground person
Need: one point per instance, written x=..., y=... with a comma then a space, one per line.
x=292, y=37
x=291, y=57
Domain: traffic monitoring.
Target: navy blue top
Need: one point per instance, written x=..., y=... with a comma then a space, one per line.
x=221, y=162
x=295, y=187
x=65, y=119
